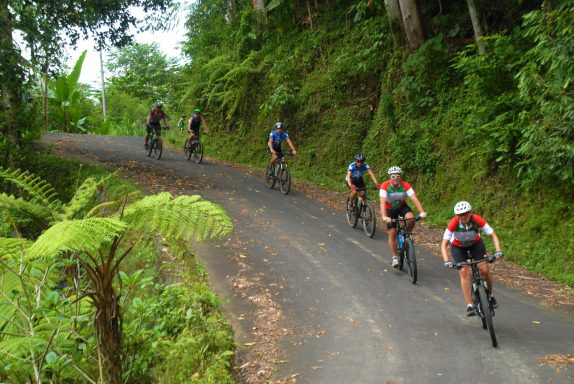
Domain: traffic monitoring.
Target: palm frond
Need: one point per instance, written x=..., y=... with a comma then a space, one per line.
x=181, y=218
x=86, y=235
x=84, y=196
x=12, y=247
x=40, y=190
x=113, y=208
x=20, y=207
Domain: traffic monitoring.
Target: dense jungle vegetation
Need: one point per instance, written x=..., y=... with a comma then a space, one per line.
x=474, y=100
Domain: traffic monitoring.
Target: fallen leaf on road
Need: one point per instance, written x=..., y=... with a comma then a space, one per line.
x=556, y=361
x=535, y=322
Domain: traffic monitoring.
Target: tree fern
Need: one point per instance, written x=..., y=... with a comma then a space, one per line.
x=21, y=208
x=113, y=208
x=87, y=235
x=84, y=196
x=180, y=218
x=40, y=190
x=12, y=247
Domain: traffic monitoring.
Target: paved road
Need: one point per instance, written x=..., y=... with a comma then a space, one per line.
x=353, y=319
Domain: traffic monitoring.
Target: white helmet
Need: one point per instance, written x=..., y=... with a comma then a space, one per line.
x=462, y=207
x=395, y=169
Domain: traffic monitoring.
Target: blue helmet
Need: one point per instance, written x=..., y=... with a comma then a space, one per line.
x=279, y=125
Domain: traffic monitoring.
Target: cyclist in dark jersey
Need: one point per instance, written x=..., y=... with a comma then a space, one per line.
x=393, y=197
x=196, y=121
x=153, y=121
x=463, y=233
x=274, y=144
x=355, y=172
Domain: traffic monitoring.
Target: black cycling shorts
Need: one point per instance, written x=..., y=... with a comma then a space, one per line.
x=358, y=182
x=151, y=126
x=278, y=151
x=395, y=213
x=478, y=251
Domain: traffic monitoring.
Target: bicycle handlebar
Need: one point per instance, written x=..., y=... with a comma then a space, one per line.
x=490, y=259
x=401, y=219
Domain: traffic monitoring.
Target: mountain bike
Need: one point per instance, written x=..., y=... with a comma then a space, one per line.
x=279, y=173
x=406, y=247
x=194, y=148
x=480, y=296
x=155, y=144
x=359, y=206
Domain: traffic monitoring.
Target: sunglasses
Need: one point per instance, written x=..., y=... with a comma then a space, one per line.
x=395, y=176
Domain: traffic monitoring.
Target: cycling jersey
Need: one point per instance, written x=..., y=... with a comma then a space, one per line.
x=195, y=123
x=396, y=197
x=277, y=138
x=465, y=236
x=156, y=114
x=357, y=171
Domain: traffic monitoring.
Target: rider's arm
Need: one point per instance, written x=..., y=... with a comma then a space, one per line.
x=270, y=145
x=189, y=124
x=373, y=177
x=495, y=241
x=147, y=119
x=348, y=179
x=444, y=249
x=291, y=146
x=383, y=200
x=418, y=204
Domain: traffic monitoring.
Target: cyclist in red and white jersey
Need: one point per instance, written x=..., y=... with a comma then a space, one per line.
x=393, y=195
x=463, y=233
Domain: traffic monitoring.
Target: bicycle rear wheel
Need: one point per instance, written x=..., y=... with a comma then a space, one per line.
x=150, y=146
x=269, y=177
x=158, y=149
x=487, y=313
x=352, y=218
x=369, y=219
x=284, y=180
x=187, y=151
x=198, y=152
x=411, y=259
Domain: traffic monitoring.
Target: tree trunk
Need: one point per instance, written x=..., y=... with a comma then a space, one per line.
x=412, y=23
x=393, y=9
x=10, y=71
x=476, y=25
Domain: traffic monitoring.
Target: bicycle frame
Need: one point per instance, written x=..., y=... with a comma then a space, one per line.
x=476, y=280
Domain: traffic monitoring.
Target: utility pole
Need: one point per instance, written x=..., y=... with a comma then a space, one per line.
x=103, y=85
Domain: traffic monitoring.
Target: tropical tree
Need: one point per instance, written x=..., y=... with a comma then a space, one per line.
x=99, y=241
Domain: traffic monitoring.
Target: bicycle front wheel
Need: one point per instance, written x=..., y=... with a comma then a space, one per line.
x=350, y=212
x=158, y=149
x=198, y=152
x=487, y=313
x=269, y=177
x=187, y=152
x=411, y=259
x=150, y=147
x=369, y=219
x=284, y=180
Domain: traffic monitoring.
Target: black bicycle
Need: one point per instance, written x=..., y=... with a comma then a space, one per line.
x=406, y=247
x=480, y=298
x=279, y=173
x=155, y=144
x=194, y=148
x=360, y=207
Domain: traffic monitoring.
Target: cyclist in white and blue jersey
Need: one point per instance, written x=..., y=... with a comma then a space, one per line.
x=354, y=177
x=274, y=144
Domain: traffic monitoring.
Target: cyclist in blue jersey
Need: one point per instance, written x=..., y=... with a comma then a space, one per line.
x=274, y=143
x=354, y=177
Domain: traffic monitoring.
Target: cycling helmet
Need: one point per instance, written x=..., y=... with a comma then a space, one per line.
x=360, y=157
x=198, y=110
x=159, y=104
x=395, y=169
x=462, y=207
x=279, y=126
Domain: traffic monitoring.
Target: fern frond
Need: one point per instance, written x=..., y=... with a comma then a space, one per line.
x=21, y=207
x=11, y=247
x=40, y=190
x=20, y=346
x=84, y=196
x=112, y=208
x=86, y=235
x=181, y=218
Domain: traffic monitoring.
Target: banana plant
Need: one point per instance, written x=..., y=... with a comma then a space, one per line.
x=66, y=95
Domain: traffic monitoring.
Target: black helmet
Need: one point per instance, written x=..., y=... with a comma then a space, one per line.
x=360, y=157
x=279, y=125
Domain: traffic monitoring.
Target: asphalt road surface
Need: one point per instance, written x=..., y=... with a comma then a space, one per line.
x=338, y=313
